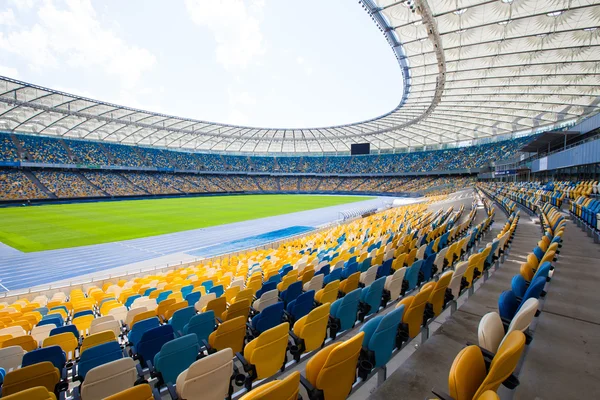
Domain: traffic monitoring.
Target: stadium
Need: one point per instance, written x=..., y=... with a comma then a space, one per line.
x=446, y=249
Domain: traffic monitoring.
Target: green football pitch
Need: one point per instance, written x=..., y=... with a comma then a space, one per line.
x=69, y=225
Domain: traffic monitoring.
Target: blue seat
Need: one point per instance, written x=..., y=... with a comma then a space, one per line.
x=207, y=285
x=274, y=279
x=202, y=325
x=509, y=302
x=151, y=343
x=217, y=290
x=285, y=269
x=65, y=329
x=292, y=292
x=176, y=356
x=334, y=275
x=131, y=299
x=370, y=297
x=186, y=290
x=380, y=336
x=163, y=296
x=268, y=318
x=429, y=249
x=324, y=270
x=149, y=290
x=518, y=285
x=344, y=312
x=53, y=354
x=192, y=298
x=427, y=268
x=365, y=265
x=385, y=269
x=349, y=268
x=490, y=259
x=534, y=290
x=140, y=328
x=96, y=356
x=543, y=270
x=538, y=253
x=412, y=275
x=82, y=313
x=53, y=319
x=266, y=287
x=42, y=310
x=60, y=308
x=300, y=307
x=181, y=318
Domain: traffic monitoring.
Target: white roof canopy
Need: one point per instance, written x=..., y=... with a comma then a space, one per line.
x=472, y=69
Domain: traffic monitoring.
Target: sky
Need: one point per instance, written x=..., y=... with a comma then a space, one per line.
x=267, y=63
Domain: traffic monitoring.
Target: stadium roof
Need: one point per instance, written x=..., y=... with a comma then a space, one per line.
x=472, y=69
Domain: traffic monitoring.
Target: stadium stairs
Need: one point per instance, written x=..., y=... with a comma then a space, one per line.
x=39, y=184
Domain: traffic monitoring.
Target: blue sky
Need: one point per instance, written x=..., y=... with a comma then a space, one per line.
x=274, y=63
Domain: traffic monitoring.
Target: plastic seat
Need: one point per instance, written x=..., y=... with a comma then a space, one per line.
x=181, y=318
x=332, y=370
x=469, y=378
x=509, y=304
x=26, y=342
x=204, y=300
x=229, y=334
x=11, y=357
x=202, y=325
x=266, y=355
x=140, y=328
x=66, y=341
x=176, y=356
x=266, y=287
x=349, y=284
x=120, y=313
x=53, y=354
x=97, y=339
x=311, y=330
x=370, y=298
x=83, y=323
x=13, y=331
x=240, y=308
x=316, y=283
x=95, y=356
x=151, y=342
x=367, y=277
x=108, y=379
x=334, y=275
x=269, y=318
x=208, y=378
x=414, y=309
x=328, y=294
x=112, y=326
x=344, y=312
x=139, y=392
x=72, y=329
x=268, y=298
x=439, y=298
x=42, y=374
x=393, y=284
x=301, y=306
x=284, y=389
x=35, y=393
x=492, y=330
x=292, y=292
x=412, y=275
x=380, y=336
x=193, y=298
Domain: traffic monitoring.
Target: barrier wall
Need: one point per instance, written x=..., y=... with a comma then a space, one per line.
x=586, y=153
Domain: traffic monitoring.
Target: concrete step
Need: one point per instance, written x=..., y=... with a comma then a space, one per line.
x=39, y=184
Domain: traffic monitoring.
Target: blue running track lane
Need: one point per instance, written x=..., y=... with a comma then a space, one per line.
x=23, y=270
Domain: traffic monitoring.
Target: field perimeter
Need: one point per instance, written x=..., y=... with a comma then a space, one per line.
x=69, y=225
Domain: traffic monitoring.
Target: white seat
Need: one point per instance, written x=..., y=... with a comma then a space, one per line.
x=459, y=271
x=41, y=300
x=108, y=379
x=148, y=304
x=200, y=304
x=316, y=283
x=11, y=357
x=369, y=275
x=101, y=320
x=490, y=331
x=207, y=378
x=439, y=258
x=111, y=325
x=132, y=313
x=39, y=333
x=267, y=299
x=120, y=313
x=393, y=283
x=421, y=252
x=14, y=331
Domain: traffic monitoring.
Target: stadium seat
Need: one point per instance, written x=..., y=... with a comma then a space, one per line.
x=151, y=342
x=284, y=389
x=140, y=328
x=380, y=336
x=175, y=357
x=66, y=341
x=35, y=393
x=412, y=275
x=229, y=334
x=97, y=339
x=309, y=332
x=268, y=298
x=11, y=357
x=439, y=297
x=344, y=312
x=370, y=298
x=26, y=342
x=292, y=292
x=139, y=392
x=53, y=354
x=240, y=308
x=209, y=378
x=181, y=318
x=95, y=356
x=329, y=293
x=41, y=374
x=108, y=379
x=269, y=318
x=492, y=330
x=202, y=325
x=301, y=306
x=332, y=371
x=414, y=308
x=393, y=284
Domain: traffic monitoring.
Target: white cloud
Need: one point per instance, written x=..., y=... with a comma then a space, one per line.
x=7, y=18
x=243, y=98
x=9, y=71
x=71, y=34
x=235, y=25
x=237, y=117
x=23, y=4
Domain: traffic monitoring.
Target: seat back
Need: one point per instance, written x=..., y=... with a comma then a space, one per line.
x=97, y=339
x=414, y=309
x=267, y=299
x=316, y=283
x=524, y=316
x=302, y=305
x=466, y=374
x=202, y=325
x=108, y=379
x=140, y=328
x=292, y=292
x=345, y=309
x=41, y=374
x=207, y=378
x=35, y=393
x=240, y=308
x=459, y=272
x=380, y=335
x=350, y=283
x=181, y=317
x=120, y=313
x=312, y=328
x=176, y=356
x=139, y=392
x=438, y=295
x=152, y=341
x=13, y=331
x=284, y=389
x=112, y=326
x=229, y=334
x=268, y=351
x=490, y=331
x=412, y=274
x=131, y=315
x=367, y=277
x=26, y=342
x=53, y=354
x=66, y=341
x=329, y=293
x=268, y=318
x=504, y=363
x=393, y=283
x=333, y=369
x=11, y=357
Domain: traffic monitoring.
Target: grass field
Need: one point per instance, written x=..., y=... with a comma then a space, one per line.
x=69, y=225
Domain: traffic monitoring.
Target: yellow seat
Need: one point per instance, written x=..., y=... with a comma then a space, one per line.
x=42, y=374
x=329, y=293
x=26, y=342
x=469, y=378
x=438, y=294
x=172, y=308
x=238, y=309
x=163, y=306
x=247, y=294
x=287, y=281
x=66, y=341
x=139, y=392
x=96, y=339
x=35, y=393
x=307, y=275
x=414, y=307
x=349, y=284
x=83, y=323
x=229, y=334
x=312, y=329
x=267, y=352
x=333, y=369
x=142, y=316
x=218, y=305
x=284, y=389
x=231, y=293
